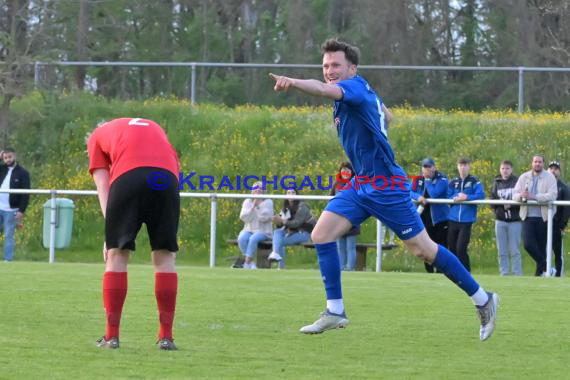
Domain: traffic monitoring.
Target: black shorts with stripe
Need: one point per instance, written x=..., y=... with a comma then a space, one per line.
x=134, y=199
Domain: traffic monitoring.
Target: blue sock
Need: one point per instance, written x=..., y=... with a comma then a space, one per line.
x=330, y=269
x=447, y=263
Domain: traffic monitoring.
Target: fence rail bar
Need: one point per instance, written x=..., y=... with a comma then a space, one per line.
x=53, y=193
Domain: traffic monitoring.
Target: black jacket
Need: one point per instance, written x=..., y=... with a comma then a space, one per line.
x=20, y=179
x=503, y=189
x=563, y=212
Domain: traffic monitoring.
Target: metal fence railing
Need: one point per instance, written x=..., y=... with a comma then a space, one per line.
x=521, y=70
x=214, y=207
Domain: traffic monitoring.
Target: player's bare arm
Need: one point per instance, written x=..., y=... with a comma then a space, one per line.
x=101, y=179
x=309, y=86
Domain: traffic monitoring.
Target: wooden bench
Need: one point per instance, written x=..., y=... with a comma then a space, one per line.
x=264, y=249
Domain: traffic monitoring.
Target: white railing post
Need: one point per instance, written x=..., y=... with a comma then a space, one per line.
x=52, y=224
x=193, y=85
x=521, y=90
x=213, y=211
x=549, y=239
x=379, y=242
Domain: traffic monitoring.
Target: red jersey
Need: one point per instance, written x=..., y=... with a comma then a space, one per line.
x=124, y=144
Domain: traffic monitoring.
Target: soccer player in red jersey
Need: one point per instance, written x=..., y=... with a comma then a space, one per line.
x=135, y=169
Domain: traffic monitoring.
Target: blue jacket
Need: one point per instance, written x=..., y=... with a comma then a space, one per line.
x=470, y=186
x=434, y=188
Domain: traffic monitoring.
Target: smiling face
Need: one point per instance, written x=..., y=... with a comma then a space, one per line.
x=346, y=170
x=336, y=67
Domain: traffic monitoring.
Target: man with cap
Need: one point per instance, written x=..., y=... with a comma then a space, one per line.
x=464, y=187
x=433, y=184
x=560, y=218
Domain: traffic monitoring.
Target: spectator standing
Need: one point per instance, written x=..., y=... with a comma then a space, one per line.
x=508, y=225
x=538, y=185
x=560, y=218
x=12, y=206
x=464, y=187
x=433, y=184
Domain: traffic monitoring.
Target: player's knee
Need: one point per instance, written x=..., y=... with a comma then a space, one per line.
x=320, y=237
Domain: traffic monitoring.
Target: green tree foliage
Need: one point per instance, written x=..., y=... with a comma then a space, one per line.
x=392, y=32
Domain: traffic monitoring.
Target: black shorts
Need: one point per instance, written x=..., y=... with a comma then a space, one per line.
x=132, y=202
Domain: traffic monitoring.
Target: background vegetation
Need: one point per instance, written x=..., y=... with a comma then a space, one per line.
x=250, y=140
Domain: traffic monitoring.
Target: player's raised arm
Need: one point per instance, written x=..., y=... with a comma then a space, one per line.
x=309, y=86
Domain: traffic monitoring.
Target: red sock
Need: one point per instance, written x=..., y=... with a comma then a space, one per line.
x=114, y=294
x=165, y=289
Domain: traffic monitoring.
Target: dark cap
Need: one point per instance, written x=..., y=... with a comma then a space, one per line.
x=428, y=162
x=554, y=163
x=464, y=160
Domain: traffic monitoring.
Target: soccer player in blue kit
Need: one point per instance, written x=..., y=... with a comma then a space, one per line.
x=359, y=117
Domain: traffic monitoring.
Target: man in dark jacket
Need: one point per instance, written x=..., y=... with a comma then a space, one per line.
x=12, y=206
x=508, y=225
x=560, y=218
x=433, y=184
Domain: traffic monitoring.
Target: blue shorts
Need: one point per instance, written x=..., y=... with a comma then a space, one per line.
x=394, y=209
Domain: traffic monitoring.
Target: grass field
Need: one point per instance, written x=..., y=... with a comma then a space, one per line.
x=244, y=324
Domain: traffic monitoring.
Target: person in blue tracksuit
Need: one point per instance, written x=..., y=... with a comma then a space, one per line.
x=379, y=188
x=433, y=184
x=464, y=187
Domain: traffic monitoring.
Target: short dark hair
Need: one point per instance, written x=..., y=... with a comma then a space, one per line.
x=352, y=53
x=507, y=162
x=347, y=165
x=9, y=150
x=464, y=160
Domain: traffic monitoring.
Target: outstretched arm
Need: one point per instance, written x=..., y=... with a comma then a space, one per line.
x=310, y=86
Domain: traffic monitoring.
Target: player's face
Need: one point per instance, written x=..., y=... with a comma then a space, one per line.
x=336, y=67
x=506, y=171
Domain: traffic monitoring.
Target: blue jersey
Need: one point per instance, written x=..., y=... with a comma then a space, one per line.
x=361, y=128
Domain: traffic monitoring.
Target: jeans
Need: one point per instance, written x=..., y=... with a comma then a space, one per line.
x=508, y=237
x=248, y=241
x=281, y=239
x=534, y=237
x=8, y=220
x=347, y=252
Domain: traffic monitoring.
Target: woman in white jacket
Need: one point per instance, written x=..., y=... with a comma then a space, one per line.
x=256, y=213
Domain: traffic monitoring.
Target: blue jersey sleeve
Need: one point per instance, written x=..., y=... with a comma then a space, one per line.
x=353, y=91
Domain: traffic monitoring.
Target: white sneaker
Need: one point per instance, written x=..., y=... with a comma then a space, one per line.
x=274, y=256
x=246, y=265
x=327, y=321
x=252, y=265
x=488, y=316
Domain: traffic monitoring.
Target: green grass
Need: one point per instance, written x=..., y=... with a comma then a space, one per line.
x=244, y=324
